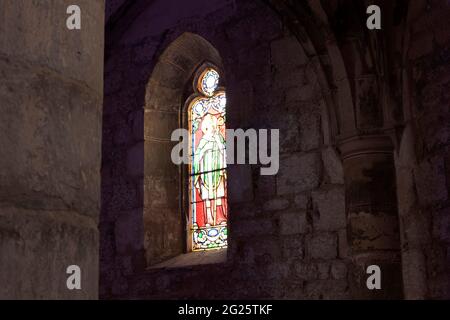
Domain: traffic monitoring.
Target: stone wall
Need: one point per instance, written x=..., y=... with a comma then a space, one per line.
x=51, y=83
x=423, y=159
x=306, y=68
x=287, y=232
x=313, y=71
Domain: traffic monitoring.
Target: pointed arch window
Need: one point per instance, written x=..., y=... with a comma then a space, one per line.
x=208, y=211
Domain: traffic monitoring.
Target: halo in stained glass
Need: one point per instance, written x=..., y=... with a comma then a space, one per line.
x=221, y=102
x=199, y=107
x=208, y=82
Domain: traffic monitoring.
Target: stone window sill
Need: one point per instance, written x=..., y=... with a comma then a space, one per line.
x=192, y=259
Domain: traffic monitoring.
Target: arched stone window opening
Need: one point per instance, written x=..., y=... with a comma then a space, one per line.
x=168, y=228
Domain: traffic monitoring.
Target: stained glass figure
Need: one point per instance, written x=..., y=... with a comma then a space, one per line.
x=208, y=180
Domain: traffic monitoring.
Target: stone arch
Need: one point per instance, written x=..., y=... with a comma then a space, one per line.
x=346, y=62
x=285, y=201
x=414, y=237
x=310, y=26
x=164, y=111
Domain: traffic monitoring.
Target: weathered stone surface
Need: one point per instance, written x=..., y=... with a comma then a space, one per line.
x=289, y=127
x=293, y=223
x=160, y=245
x=309, y=122
x=422, y=45
x=287, y=53
x=135, y=160
x=265, y=186
x=323, y=270
x=327, y=289
x=157, y=159
x=338, y=270
x=36, y=249
x=285, y=238
x=332, y=166
x=430, y=181
x=330, y=205
x=424, y=175
x=257, y=82
x=37, y=32
x=304, y=93
x=160, y=124
x=369, y=112
x=255, y=227
x=343, y=244
x=315, y=99
x=302, y=201
x=322, y=246
x=299, y=122
x=53, y=141
x=279, y=271
x=276, y=204
x=305, y=271
x=369, y=231
x=265, y=249
x=159, y=191
x=293, y=247
x=240, y=183
x=51, y=89
x=132, y=232
x=259, y=25
x=414, y=273
x=298, y=172
x=441, y=225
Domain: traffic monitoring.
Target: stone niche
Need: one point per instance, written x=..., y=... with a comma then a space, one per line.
x=165, y=194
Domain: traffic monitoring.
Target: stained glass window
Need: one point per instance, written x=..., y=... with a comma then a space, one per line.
x=208, y=176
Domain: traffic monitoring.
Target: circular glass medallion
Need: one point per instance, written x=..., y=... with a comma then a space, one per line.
x=209, y=81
